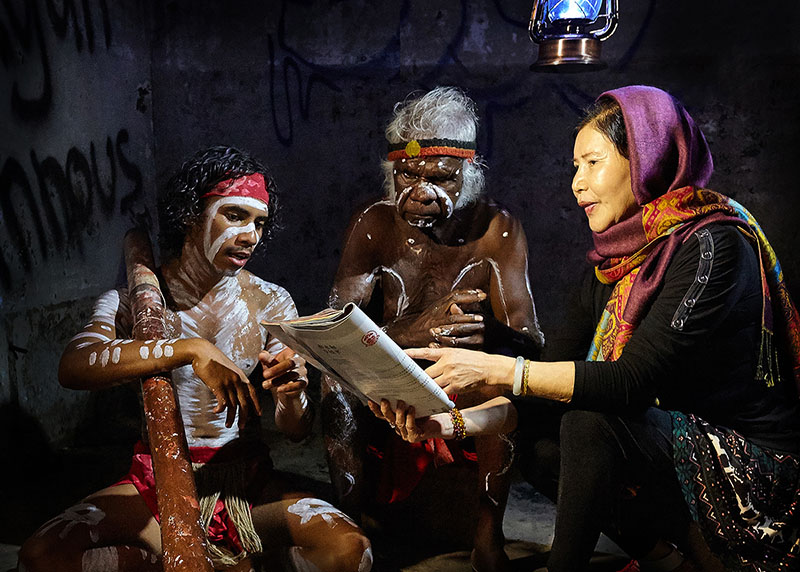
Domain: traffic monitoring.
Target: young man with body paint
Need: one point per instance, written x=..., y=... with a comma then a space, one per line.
x=436, y=263
x=213, y=215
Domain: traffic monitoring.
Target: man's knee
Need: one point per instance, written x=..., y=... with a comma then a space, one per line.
x=39, y=555
x=348, y=552
x=354, y=553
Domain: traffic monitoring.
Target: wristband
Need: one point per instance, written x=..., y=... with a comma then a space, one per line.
x=525, y=370
x=518, y=370
x=459, y=429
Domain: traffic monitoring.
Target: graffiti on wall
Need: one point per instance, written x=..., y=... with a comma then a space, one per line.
x=294, y=76
x=23, y=43
x=50, y=211
x=50, y=201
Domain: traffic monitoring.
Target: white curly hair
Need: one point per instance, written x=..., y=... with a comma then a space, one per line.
x=441, y=113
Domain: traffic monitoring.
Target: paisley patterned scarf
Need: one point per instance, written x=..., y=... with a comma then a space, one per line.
x=654, y=237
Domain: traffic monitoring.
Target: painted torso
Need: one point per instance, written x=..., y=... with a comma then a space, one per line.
x=229, y=316
x=414, y=269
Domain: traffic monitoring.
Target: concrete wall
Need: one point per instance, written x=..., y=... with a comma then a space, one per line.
x=77, y=169
x=307, y=86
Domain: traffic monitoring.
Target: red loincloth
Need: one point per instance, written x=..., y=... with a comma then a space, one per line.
x=221, y=529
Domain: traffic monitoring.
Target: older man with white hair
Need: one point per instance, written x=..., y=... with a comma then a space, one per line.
x=436, y=263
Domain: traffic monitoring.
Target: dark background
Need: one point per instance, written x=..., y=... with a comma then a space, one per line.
x=100, y=101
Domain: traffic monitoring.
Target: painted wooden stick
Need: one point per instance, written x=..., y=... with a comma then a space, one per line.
x=183, y=539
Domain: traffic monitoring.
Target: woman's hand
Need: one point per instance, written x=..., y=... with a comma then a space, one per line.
x=405, y=424
x=463, y=371
x=284, y=373
x=228, y=383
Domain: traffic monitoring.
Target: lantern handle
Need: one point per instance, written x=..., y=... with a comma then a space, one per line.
x=611, y=17
x=535, y=25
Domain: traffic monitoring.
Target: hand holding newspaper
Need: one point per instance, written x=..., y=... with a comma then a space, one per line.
x=347, y=345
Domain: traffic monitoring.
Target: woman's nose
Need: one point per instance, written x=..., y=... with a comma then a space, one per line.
x=578, y=182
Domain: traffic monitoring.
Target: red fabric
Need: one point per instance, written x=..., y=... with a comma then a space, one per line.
x=247, y=186
x=221, y=529
x=402, y=465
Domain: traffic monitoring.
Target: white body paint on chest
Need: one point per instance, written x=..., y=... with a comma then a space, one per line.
x=501, y=291
x=402, y=301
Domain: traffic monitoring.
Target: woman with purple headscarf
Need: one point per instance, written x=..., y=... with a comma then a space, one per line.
x=669, y=403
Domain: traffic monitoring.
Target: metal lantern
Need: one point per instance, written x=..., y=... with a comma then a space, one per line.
x=569, y=32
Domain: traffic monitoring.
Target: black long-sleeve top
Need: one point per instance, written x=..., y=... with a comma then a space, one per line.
x=707, y=366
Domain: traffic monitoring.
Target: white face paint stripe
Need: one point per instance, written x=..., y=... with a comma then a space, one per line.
x=402, y=194
x=442, y=195
x=212, y=213
x=230, y=232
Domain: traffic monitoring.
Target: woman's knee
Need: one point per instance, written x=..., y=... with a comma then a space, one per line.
x=586, y=435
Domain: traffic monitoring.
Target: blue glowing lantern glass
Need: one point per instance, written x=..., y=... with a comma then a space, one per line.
x=569, y=32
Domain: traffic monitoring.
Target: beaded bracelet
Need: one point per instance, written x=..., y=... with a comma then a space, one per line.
x=525, y=370
x=459, y=429
x=517, y=388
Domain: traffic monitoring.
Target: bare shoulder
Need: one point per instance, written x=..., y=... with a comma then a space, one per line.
x=272, y=299
x=374, y=214
x=503, y=226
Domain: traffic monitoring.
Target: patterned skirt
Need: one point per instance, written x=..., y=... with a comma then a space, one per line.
x=746, y=498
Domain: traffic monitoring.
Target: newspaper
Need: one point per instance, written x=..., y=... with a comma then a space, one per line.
x=347, y=345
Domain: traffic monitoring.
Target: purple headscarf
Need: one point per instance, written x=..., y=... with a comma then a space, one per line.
x=667, y=150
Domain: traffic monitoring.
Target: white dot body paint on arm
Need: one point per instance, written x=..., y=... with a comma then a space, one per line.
x=144, y=352
x=97, y=336
x=115, y=355
x=104, y=357
x=92, y=358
